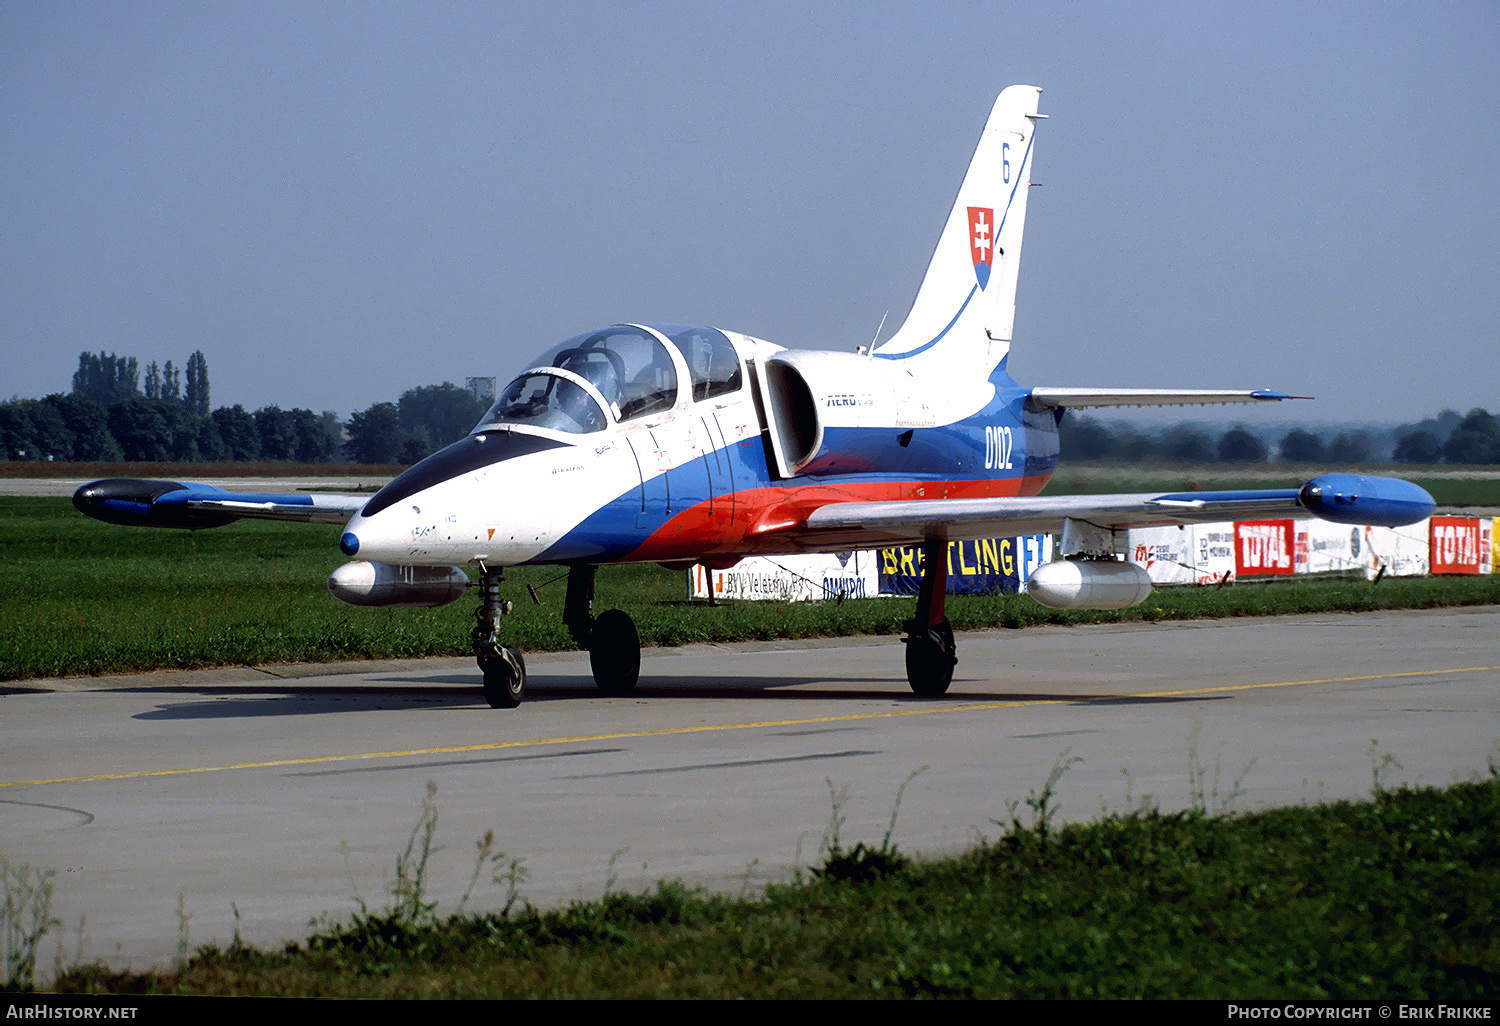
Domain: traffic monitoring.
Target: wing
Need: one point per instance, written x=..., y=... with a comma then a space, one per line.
x=1343, y=498
x=151, y=503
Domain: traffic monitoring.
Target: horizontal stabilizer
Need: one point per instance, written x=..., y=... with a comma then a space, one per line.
x=1081, y=397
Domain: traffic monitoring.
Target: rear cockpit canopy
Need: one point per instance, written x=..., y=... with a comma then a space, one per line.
x=713, y=364
x=618, y=374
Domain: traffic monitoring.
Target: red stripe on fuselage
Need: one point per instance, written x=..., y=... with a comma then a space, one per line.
x=768, y=520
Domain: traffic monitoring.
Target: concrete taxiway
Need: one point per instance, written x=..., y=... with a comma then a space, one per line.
x=179, y=808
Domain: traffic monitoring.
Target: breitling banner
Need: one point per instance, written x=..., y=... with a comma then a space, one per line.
x=988, y=566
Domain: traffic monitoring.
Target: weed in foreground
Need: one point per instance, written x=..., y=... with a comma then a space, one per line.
x=412, y=915
x=1205, y=799
x=27, y=919
x=1380, y=769
x=863, y=862
x=1041, y=808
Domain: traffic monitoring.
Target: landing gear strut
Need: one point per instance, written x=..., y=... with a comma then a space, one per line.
x=612, y=641
x=503, y=666
x=930, y=651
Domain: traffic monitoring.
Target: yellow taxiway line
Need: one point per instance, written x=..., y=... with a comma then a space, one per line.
x=927, y=710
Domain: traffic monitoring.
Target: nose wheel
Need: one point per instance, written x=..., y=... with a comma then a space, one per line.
x=504, y=677
x=503, y=666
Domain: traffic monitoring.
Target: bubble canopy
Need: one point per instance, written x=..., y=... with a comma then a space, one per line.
x=617, y=374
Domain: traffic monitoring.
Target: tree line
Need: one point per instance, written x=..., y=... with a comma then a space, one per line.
x=1446, y=438
x=108, y=416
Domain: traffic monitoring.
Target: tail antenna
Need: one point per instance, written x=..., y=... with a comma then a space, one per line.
x=865, y=350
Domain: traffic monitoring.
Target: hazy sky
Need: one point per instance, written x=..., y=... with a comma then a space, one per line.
x=336, y=202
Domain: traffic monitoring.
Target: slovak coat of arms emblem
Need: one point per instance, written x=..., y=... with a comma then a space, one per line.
x=982, y=242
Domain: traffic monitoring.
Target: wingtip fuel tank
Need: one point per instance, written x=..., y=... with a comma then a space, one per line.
x=143, y=502
x=1366, y=500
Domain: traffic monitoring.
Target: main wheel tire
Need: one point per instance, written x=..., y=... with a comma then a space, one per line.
x=615, y=653
x=930, y=658
x=504, y=678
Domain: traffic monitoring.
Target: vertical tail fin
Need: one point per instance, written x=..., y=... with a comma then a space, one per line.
x=964, y=311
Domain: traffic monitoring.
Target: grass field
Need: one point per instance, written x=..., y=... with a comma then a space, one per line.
x=80, y=597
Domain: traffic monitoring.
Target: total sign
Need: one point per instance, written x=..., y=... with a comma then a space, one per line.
x=1459, y=545
x=1263, y=547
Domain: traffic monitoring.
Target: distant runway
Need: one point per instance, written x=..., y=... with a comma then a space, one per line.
x=266, y=797
x=69, y=485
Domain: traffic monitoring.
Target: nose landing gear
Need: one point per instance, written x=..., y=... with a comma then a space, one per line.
x=613, y=644
x=503, y=666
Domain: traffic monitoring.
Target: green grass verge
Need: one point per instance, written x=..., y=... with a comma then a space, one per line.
x=1393, y=898
x=80, y=597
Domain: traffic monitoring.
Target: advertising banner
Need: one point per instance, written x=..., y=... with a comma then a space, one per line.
x=1263, y=547
x=1402, y=551
x=1455, y=545
x=989, y=566
x=1191, y=554
x=800, y=578
x=1324, y=548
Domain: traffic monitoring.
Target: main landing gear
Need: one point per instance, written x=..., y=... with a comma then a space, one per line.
x=930, y=651
x=613, y=644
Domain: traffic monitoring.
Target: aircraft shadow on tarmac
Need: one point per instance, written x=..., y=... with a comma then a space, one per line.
x=460, y=691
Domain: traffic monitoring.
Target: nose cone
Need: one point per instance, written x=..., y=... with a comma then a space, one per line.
x=390, y=536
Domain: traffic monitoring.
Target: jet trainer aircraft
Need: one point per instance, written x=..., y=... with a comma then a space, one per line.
x=682, y=445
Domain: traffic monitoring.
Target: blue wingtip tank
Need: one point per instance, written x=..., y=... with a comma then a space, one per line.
x=1360, y=499
x=137, y=502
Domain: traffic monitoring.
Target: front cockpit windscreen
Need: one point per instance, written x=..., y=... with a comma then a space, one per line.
x=629, y=368
x=547, y=401
x=628, y=365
